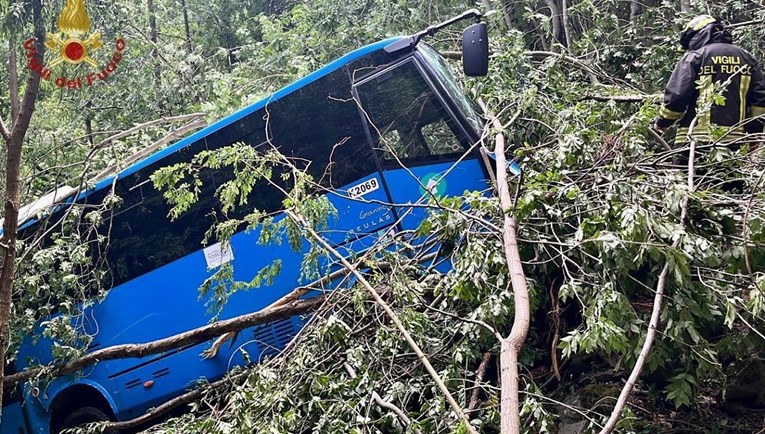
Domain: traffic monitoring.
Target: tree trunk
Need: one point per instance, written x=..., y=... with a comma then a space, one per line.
x=556, y=22
x=186, y=28
x=564, y=16
x=636, y=8
x=506, y=14
x=685, y=5
x=19, y=127
x=13, y=78
x=154, y=37
x=510, y=421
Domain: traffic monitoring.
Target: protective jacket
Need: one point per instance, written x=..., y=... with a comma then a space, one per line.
x=713, y=66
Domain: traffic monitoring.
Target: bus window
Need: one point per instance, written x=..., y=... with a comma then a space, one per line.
x=446, y=77
x=408, y=121
x=319, y=126
x=140, y=236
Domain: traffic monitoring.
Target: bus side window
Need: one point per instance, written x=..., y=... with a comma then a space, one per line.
x=319, y=128
x=407, y=118
x=441, y=138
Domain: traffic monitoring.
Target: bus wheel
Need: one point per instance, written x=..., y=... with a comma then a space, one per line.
x=85, y=415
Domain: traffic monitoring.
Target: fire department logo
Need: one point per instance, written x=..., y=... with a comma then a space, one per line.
x=74, y=44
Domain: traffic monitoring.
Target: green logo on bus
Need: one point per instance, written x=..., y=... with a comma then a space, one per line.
x=434, y=184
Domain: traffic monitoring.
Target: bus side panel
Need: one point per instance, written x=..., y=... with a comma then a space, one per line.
x=366, y=213
x=13, y=419
x=442, y=179
x=172, y=306
x=156, y=305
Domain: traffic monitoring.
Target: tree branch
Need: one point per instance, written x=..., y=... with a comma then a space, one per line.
x=168, y=405
x=622, y=98
x=13, y=78
x=4, y=131
x=383, y=403
x=659, y=138
x=510, y=421
x=191, y=337
x=656, y=311
x=745, y=229
x=197, y=122
x=475, y=396
x=122, y=134
x=300, y=221
x=745, y=23
x=542, y=55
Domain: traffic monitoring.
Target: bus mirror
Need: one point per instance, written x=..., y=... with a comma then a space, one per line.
x=475, y=50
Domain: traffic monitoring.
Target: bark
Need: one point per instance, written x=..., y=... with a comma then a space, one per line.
x=636, y=8
x=623, y=98
x=510, y=421
x=480, y=373
x=4, y=133
x=12, y=188
x=511, y=346
x=153, y=36
x=13, y=78
x=555, y=319
x=565, y=25
x=555, y=19
x=655, y=312
x=186, y=29
x=167, y=406
x=190, y=337
x=746, y=23
x=506, y=14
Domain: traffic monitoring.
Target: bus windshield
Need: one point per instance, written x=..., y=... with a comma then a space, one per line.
x=449, y=82
x=409, y=122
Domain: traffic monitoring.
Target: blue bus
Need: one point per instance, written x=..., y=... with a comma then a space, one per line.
x=382, y=127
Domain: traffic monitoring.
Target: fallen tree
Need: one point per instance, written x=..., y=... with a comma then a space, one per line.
x=191, y=337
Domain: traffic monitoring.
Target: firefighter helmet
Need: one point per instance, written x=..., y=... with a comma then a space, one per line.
x=695, y=26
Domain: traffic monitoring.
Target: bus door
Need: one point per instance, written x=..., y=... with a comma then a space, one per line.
x=425, y=154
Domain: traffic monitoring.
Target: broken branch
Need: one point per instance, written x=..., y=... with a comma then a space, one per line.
x=300, y=221
x=191, y=337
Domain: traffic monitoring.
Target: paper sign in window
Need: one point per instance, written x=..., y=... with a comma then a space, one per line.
x=218, y=254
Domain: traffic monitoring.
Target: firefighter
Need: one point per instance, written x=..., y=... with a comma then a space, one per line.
x=726, y=74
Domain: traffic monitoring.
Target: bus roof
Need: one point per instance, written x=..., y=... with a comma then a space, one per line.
x=228, y=120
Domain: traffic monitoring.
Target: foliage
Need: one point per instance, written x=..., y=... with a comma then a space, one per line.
x=598, y=212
